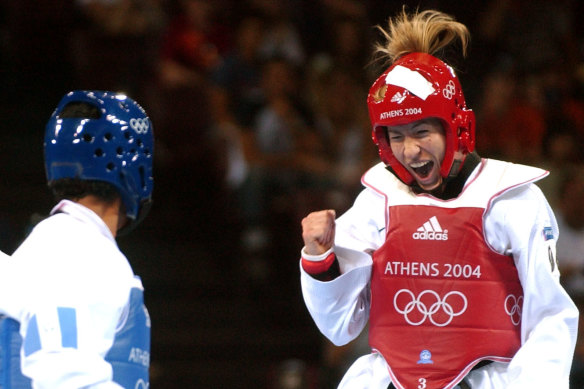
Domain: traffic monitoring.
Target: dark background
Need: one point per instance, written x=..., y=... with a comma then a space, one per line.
x=212, y=326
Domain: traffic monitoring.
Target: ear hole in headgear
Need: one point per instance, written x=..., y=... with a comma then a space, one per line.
x=79, y=110
x=464, y=139
x=380, y=93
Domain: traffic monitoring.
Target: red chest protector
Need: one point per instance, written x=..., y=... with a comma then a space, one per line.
x=441, y=299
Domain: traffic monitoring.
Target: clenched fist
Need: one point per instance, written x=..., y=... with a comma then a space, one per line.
x=318, y=231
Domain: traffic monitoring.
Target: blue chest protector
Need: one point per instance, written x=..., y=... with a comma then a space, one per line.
x=129, y=355
x=10, y=342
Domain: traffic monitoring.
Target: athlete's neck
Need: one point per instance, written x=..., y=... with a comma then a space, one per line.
x=109, y=212
x=452, y=187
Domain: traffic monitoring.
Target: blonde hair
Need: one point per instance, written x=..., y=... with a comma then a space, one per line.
x=427, y=32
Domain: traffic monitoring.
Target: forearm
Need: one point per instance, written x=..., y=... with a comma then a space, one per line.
x=549, y=331
x=340, y=308
x=335, y=279
x=68, y=368
x=549, y=320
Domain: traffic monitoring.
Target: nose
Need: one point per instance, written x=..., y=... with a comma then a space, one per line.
x=411, y=148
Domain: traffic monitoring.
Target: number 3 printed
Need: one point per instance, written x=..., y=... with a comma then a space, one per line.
x=422, y=382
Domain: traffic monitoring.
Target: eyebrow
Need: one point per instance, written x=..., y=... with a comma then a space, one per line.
x=394, y=129
x=418, y=124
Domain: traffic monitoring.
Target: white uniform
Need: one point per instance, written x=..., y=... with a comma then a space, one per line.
x=67, y=285
x=519, y=222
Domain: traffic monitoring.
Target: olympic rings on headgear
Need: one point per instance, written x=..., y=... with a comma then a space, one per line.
x=140, y=125
x=449, y=91
x=515, y=311
x=141, y=384
x=440, y=304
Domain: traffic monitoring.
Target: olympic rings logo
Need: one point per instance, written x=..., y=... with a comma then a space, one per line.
x=441, y=305
x=449, y=91
x=513, y=308
x=140, y=125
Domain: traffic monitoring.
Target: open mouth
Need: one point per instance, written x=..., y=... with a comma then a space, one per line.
x=422, y=169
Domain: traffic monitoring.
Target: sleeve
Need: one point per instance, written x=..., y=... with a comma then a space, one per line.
x=522, y=224
x=54, y=355
x=323, y=267
x=68, y=323
x=8, y=301
x=340, y=307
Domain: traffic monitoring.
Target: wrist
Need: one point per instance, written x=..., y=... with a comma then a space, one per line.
x=317, y=264
x=315, y=257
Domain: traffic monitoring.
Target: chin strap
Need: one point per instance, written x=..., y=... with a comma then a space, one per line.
x=132, y=223
x=456, y=165
x=453, y=185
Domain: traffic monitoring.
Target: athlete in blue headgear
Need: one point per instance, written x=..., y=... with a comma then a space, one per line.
x=79, y=305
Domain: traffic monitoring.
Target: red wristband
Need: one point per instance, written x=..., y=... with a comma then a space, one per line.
x=317, y=267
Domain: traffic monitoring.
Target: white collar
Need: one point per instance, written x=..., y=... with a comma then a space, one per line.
x=83, y=214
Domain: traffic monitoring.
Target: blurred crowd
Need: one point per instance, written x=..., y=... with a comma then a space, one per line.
x=260, y=115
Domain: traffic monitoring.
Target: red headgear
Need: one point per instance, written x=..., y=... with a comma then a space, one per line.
x=419, y=86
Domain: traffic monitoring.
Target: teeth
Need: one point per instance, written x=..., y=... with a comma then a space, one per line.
x=416, y=165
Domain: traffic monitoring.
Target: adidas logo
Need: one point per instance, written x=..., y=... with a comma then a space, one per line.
x=399, y=97
x=431, y=230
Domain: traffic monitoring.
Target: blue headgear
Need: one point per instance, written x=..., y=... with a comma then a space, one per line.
x=115, y=145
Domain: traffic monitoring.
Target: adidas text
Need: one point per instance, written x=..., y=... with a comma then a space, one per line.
x=431, y=235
